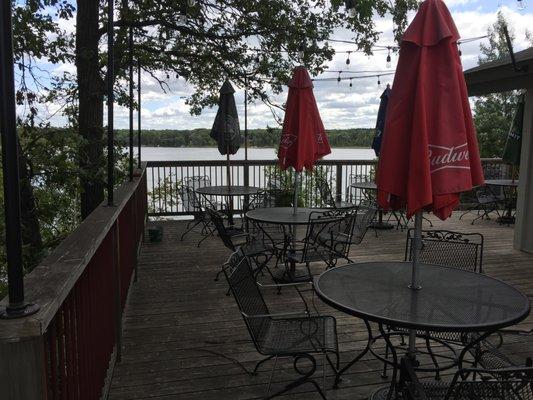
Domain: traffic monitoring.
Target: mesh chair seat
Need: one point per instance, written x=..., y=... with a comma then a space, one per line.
x=299, y=335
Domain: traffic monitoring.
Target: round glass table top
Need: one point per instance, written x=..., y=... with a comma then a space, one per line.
x=228, y=191
x=282, y=215
x=364, y=185
x=501, y=182
x=450, y=299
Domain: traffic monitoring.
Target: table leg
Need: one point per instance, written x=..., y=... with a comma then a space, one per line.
x=388, y=392
x=339, y=373
x=230, y=211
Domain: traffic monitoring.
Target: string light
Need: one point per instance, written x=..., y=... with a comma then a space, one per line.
x=459, y=49
x=191, y=3
x=521, y=4
x=379, y=81
x=339, y=77
x=348, y=59
x=389, y=59
x=351, y=83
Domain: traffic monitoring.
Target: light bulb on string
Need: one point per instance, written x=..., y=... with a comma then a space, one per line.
x=459, y=49
x=348, y=58
x=191, y=3
x=379, y=81
x=339, y=78
x=389, y=59
x=521, y=4
x=351, y=83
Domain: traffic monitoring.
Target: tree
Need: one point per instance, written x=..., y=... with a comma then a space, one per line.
x=493, y=113
x=203, y=42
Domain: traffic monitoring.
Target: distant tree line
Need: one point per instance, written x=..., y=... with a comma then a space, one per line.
x=269, y=137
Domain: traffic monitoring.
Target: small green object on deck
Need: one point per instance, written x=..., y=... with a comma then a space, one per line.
x=155, y=233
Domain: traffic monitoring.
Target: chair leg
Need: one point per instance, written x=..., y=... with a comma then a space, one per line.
x=254, y=372
x=433, y=358
x=189, y=229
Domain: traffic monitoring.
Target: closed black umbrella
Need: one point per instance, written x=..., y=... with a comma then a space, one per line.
x=226, y=130
x=380, y=123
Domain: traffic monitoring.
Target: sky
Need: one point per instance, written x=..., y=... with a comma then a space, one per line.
x=340, y=105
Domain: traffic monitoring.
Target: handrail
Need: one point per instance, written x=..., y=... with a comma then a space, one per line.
x=71, y=345
x=164, y=177
x=50, y=282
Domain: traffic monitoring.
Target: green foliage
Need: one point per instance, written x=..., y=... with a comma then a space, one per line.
x=268, y=137
x=493, y=114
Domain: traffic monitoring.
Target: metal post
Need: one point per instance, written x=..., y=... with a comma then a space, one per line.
x=110, y=101
x=417, y=241
x=8, y=126
x=245, y=117
x=130, y=53
x=139, y=113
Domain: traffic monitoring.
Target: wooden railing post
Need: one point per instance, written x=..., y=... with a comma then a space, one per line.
x=338, y=182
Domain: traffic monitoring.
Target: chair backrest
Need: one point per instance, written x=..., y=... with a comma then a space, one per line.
x=451, y=249
x=243, y=286
x=355, y=178
x=324, y=190
x=263, y=199
x=506, y=384
x=487, y=194
x=324, y=229
x=365, y=214
x=500, y=384
x=216, y=219
x=198, y=181
x=190, y=199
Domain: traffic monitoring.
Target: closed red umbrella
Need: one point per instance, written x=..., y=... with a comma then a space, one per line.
x=303, y=139
x=430, y=153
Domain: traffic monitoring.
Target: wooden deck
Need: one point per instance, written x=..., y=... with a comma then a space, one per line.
x=185, y=339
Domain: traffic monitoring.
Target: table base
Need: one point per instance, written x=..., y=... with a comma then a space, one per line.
x=382, y=394
x=381, y=225
x=506, y=220
x=297, y=277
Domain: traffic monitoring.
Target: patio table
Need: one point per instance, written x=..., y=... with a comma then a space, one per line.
x=451, y=300
x=229, y=192
x=380, y=224
x=285, y=216
x=510, y=195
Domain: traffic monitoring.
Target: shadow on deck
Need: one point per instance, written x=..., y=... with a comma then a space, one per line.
x=185, y=339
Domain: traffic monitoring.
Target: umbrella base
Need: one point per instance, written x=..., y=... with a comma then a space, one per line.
x=382, y=394
x=381, y=225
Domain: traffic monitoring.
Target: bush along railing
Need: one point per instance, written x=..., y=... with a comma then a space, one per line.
x=165, y=177
x=68, y=349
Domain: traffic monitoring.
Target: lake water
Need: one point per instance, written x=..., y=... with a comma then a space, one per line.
x=211, y=153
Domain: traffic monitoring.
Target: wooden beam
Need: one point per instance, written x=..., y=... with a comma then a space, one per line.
x=523, y=239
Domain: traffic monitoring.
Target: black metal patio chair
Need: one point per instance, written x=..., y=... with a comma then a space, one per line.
x=326, y=196
x=299, y=335
x=488, y=200
x=256, y=246
x=514, y=383
x=192, y=203
x=452, y=249
x=328, y=238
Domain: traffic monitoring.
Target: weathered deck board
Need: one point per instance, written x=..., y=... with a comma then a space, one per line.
x=181, y=331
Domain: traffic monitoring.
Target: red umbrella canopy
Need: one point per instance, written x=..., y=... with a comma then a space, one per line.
x=430, y=153
x=303, y=139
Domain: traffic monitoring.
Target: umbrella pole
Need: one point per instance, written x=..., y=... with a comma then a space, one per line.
x=296, y=191
x=414, y=275
x=416, y=247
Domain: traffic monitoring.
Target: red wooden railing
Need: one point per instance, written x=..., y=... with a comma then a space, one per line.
x=75, y=338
